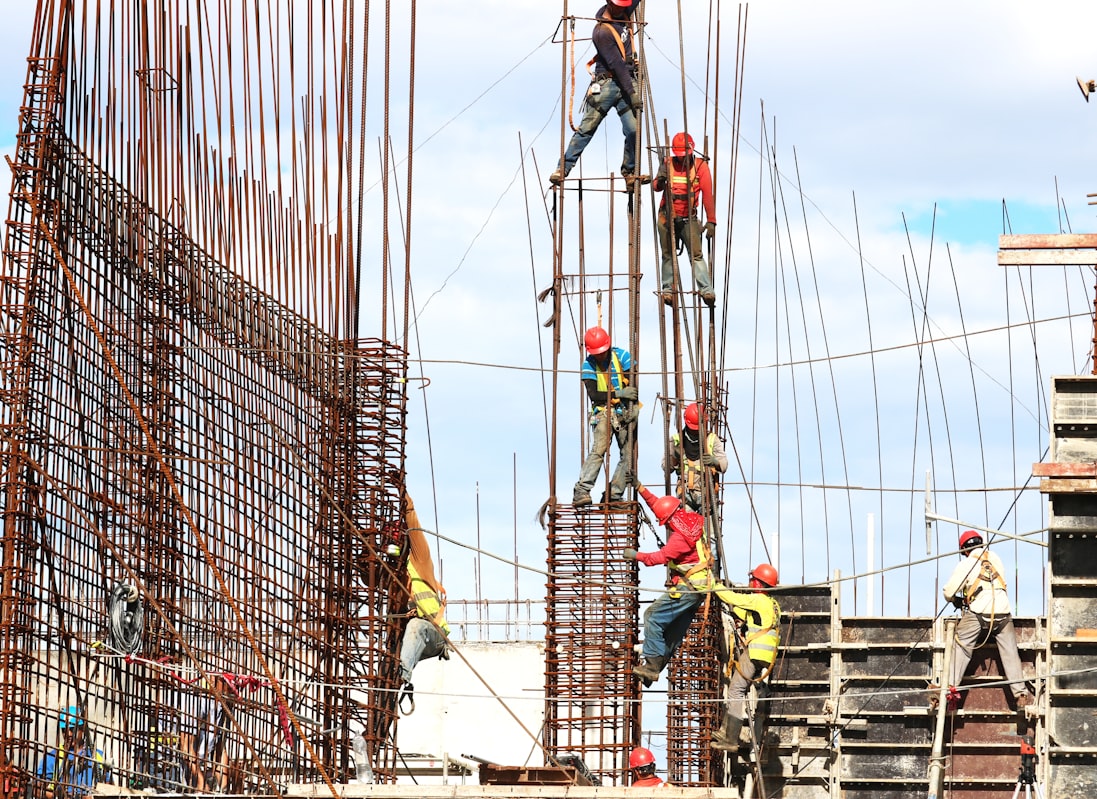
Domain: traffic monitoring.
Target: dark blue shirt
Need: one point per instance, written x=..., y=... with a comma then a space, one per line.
x=609, y=53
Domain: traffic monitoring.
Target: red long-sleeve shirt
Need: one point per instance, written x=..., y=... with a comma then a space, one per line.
x=686, y=528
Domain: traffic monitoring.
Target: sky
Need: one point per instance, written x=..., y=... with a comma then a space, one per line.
x=928, y=118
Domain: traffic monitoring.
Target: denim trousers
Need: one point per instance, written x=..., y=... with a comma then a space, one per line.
x=667, y=620
x=422, y=641
x=596, y=107
x=689, y=231
x=602, y=430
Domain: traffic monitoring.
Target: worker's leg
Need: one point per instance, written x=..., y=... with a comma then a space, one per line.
x=622, y=475
x=595, y=109
x=600, y=433
x=738, y=687
x=1006, y=639
x=692, y=236
x=666, y=248
x=628, y=128
x=666, y=621
x=421, y=640
x=969, y=632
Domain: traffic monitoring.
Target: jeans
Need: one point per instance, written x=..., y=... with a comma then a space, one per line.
x=602, y=429
x=597, y=106
x=689, y=231
x=667, y=620
x=422, y=640
x=971, y=630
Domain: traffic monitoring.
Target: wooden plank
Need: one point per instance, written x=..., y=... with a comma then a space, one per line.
x=1064, y=469
x=1047, y=257
x=1047, y=241
x=1063, y=485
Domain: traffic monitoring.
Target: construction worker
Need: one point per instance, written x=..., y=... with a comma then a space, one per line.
x=686, y=457
x=427, y=633
x=613, y=411
x=641, y=763
x=757, y=621
x=689, y=179
x=686, y=553
x=75, y=767
x=613, y=85
x=978, y=588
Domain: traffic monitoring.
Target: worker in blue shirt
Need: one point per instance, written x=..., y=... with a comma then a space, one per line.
x=613, y=86
x=612, y=414
x=75, y=768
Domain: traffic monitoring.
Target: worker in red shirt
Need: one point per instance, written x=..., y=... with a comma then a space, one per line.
x=686, y=552
x=689, y=179
x=642, y=764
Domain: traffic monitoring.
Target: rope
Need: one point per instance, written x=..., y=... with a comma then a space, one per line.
x=127, y=618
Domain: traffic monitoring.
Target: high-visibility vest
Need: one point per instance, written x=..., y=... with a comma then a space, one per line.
x=691, y=470
x=685, y=188
x=763, y=630
x=427, y=603
x=604, y=377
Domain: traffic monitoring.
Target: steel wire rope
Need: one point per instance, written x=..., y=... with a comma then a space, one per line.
x=363, y=116
x=410, y=159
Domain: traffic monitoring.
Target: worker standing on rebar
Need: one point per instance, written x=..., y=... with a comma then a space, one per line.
x=614, y=84
x=688, y=179
x=613, y=410
x=691, y=461
x=686, y=553
x=756, y=635
x=978, y=588
x=641, y=763
x=427, y=632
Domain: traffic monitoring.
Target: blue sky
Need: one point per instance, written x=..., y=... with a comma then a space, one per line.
x=897, y=107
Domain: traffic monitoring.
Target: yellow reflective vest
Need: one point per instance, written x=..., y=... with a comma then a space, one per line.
x=427, y=603
x=761, y=615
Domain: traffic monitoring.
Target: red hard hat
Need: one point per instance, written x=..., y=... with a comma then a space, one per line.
x=682, y=145
x=692, y=416
x=765, y=574
x=596, y=340
x=664, y=508
x=621, y=3
x=970, y=538
x=640, y=757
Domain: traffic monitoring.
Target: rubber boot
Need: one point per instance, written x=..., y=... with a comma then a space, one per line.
x=726, y=738
x=649, y=668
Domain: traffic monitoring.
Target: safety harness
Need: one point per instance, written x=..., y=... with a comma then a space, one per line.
x=760, y=641
x=987, y=574
x=617, y=37
x=691, y=469
x=604, y=379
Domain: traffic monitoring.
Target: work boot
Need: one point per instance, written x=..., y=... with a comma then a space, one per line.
x=709, y=298
x=667, y=297
x=580, y=498
x=727, y=738
x=649, y=668
x=630, y=180
x=556, y=178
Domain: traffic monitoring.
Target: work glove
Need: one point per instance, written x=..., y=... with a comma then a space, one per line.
x=958, y=602
x=629, y=553
x=710, y=230
x=636, y=103
x=708, y=459
x=628, y=393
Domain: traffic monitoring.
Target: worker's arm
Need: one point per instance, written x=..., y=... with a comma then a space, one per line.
x=676, y=548
x=660, y=181
x=704, y=178
x=720, y=455
x=956, y=582
x=596, y=397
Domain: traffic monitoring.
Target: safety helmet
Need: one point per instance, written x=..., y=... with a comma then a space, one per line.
x=681, y=145
x=71, y=718
x=640, y=757
x=692, y=416
x=621, y=3
x=765, y=574
x=970, y=538
x=596, y=340
x=664, y=508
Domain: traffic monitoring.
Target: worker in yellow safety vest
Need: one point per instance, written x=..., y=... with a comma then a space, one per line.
x=691, y=458
x=757, y=633
x=426, y=634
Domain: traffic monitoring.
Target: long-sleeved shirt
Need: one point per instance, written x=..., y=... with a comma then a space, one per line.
x=609, y=58
x=980, y=576
x=762, y=616
x=687, y=176
x=691, y=448
x=686, y=529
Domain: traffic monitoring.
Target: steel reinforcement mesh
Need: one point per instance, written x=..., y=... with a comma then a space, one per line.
x=198, y=484
x=694, y=710
x=592, y=699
